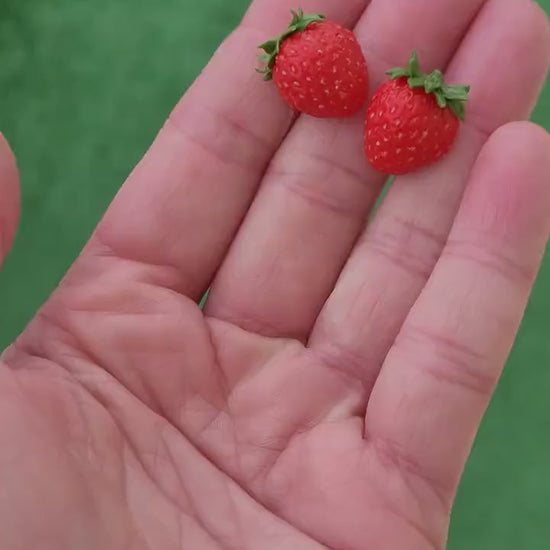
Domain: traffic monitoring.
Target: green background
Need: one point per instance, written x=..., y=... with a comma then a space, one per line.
x=85, y=86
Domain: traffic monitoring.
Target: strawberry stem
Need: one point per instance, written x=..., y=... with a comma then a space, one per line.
x=453, y=97
x=271, y=48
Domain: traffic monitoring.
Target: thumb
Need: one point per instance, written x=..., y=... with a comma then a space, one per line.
x=9, y=198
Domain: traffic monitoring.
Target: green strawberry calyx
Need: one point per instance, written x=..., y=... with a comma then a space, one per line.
x=271, y=48
x=453, y=97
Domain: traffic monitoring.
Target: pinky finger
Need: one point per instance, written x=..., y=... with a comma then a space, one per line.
x=439, y=376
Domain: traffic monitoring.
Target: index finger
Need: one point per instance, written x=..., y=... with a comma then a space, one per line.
x=183, y=203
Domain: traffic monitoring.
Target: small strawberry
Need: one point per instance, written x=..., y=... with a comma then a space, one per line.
x=318, y=67
x=412, y=120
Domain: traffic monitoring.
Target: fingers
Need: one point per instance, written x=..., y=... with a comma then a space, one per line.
x=439, y=375
x=9, y=198
x=504, y=58
x=181, y=206
x=319, y=188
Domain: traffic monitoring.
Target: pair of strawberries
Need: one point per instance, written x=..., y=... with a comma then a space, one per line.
x=320, y=70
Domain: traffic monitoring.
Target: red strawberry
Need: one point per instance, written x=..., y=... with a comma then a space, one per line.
x=412, y=120
x=318, y=67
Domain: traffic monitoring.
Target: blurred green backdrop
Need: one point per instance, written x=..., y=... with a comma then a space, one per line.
x=85, y=86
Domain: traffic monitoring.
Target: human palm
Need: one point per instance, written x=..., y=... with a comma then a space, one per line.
x=329, y=391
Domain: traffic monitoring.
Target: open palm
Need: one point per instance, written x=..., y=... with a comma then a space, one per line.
x=328, y=393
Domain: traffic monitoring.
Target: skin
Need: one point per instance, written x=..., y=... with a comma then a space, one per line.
x=329, y=393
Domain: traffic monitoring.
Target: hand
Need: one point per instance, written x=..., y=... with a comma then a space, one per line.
x=328, y=394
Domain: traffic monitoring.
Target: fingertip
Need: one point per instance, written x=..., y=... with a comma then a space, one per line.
x=542, y=24
x=508, y=196
x=6, y=152
x=505, y=57
x=527, y=142
x=9, y=197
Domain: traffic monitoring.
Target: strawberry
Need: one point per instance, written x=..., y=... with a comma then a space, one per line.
x=318, y=67
x=412, y=120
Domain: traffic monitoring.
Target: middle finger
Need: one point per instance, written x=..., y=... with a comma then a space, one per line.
x=319, y=188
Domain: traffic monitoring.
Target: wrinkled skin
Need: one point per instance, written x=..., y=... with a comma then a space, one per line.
x=329, y=392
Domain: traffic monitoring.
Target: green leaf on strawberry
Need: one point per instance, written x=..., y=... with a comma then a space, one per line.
x=299, y=23
x=433, y=83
